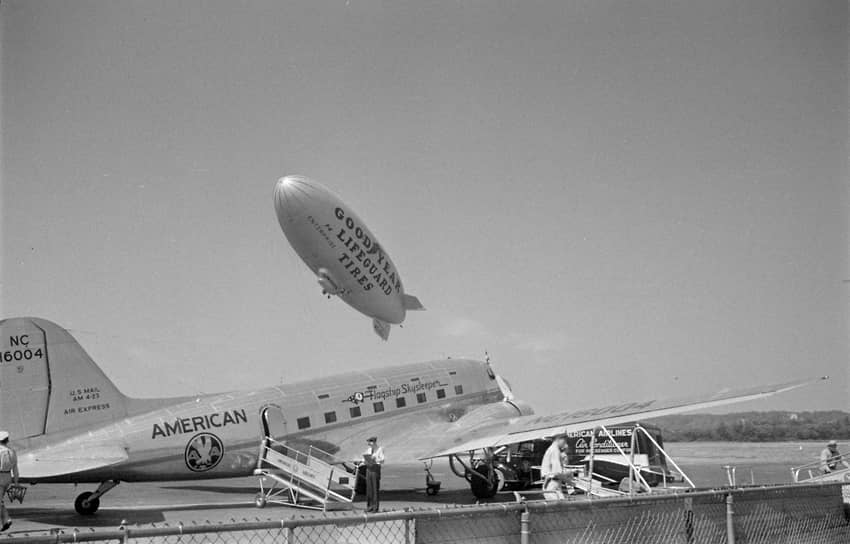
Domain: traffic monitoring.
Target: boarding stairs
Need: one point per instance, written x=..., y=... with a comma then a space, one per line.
x=311, y=479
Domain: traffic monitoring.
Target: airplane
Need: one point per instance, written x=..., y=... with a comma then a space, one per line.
x=70, y=424
x=342, y=252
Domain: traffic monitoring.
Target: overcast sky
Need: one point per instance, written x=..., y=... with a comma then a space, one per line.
x=618, y=200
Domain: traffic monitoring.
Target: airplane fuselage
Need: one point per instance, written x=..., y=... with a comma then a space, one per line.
x=218, y=436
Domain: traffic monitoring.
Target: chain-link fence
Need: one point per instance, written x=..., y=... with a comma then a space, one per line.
x=765, y=515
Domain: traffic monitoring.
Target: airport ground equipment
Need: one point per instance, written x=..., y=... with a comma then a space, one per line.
x=296, y=477
x=810, y=473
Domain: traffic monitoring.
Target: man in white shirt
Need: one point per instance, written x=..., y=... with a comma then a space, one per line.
x=552, y=469
x=373, y=457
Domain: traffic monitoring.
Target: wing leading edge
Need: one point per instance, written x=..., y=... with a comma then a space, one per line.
x=521, y=429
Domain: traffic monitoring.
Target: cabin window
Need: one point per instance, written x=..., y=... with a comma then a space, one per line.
x=400, y=402
x=441, y=393
x=420, y=397
x=458, y=390
x=324, y=396
x=378, y=407
x=303, y=422
x=330, y=417
x=354, y=411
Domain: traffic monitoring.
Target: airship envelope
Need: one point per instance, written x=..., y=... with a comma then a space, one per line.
x=342, y=252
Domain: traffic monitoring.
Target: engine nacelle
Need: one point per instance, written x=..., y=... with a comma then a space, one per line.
x=490, y=413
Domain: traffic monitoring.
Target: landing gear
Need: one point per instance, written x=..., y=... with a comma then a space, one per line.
x=432, y=485
x=484, y=478
x=85, y=505
x=88, y=502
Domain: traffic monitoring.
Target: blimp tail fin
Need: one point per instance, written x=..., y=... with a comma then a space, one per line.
x=382, y=328
x=410, y=302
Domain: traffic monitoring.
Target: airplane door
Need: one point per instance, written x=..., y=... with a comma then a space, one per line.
x=274, y=423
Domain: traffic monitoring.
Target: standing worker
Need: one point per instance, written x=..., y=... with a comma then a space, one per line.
x=374, y=458
x=8, y=474
x=829, y=458
x=552, y=469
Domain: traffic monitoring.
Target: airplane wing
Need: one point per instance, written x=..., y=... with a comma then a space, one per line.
x=519, y=429
x=52, y=462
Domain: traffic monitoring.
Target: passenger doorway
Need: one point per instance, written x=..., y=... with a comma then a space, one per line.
x=274, y=423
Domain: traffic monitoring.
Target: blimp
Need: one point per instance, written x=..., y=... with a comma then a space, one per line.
x=342, y=252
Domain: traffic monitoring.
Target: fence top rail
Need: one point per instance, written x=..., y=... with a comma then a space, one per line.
x=355, y=519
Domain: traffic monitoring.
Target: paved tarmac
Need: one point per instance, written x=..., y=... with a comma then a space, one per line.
x=51, y=506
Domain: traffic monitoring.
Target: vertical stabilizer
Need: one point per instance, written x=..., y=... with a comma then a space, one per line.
x=48, y=383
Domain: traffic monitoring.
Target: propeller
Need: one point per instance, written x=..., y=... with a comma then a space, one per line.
x=503, y=384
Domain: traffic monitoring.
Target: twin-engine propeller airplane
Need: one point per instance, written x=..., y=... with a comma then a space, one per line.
x=70, y=424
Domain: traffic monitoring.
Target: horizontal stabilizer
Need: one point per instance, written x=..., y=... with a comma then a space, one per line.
x=61, y=461
x=410, y=302
x=382, y=328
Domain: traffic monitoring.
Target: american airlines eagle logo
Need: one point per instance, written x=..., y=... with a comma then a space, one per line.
x=203, y=452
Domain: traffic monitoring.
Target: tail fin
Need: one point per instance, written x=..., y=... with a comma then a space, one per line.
x=48, y=383
x=410, y=302
x=382, y=328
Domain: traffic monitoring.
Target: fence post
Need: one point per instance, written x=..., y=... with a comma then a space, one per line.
x=730, y=520
x=406, y=530
x=525, y=526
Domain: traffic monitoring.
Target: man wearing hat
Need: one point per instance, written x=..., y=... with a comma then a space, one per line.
x=373, y=457
x=8, y=474
x=829, y=458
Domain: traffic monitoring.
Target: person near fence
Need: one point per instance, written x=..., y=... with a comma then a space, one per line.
x=552, y=469
x=373, y=457
x=8, y=475
x=830, y=458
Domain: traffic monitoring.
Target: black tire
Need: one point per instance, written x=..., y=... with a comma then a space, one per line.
x=431, y=490
x=86, y=509
x=260, y=500
x=481, y=487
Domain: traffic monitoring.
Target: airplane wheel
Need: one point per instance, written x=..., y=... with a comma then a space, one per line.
x=481, y=488
x=86, y=509
x=431, y=490
x=260, y=500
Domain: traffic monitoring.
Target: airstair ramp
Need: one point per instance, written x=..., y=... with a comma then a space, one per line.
x=306, y=479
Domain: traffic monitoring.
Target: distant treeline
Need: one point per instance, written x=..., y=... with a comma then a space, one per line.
x=755, y=426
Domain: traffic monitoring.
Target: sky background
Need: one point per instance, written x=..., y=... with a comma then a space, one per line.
x=618, y=200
